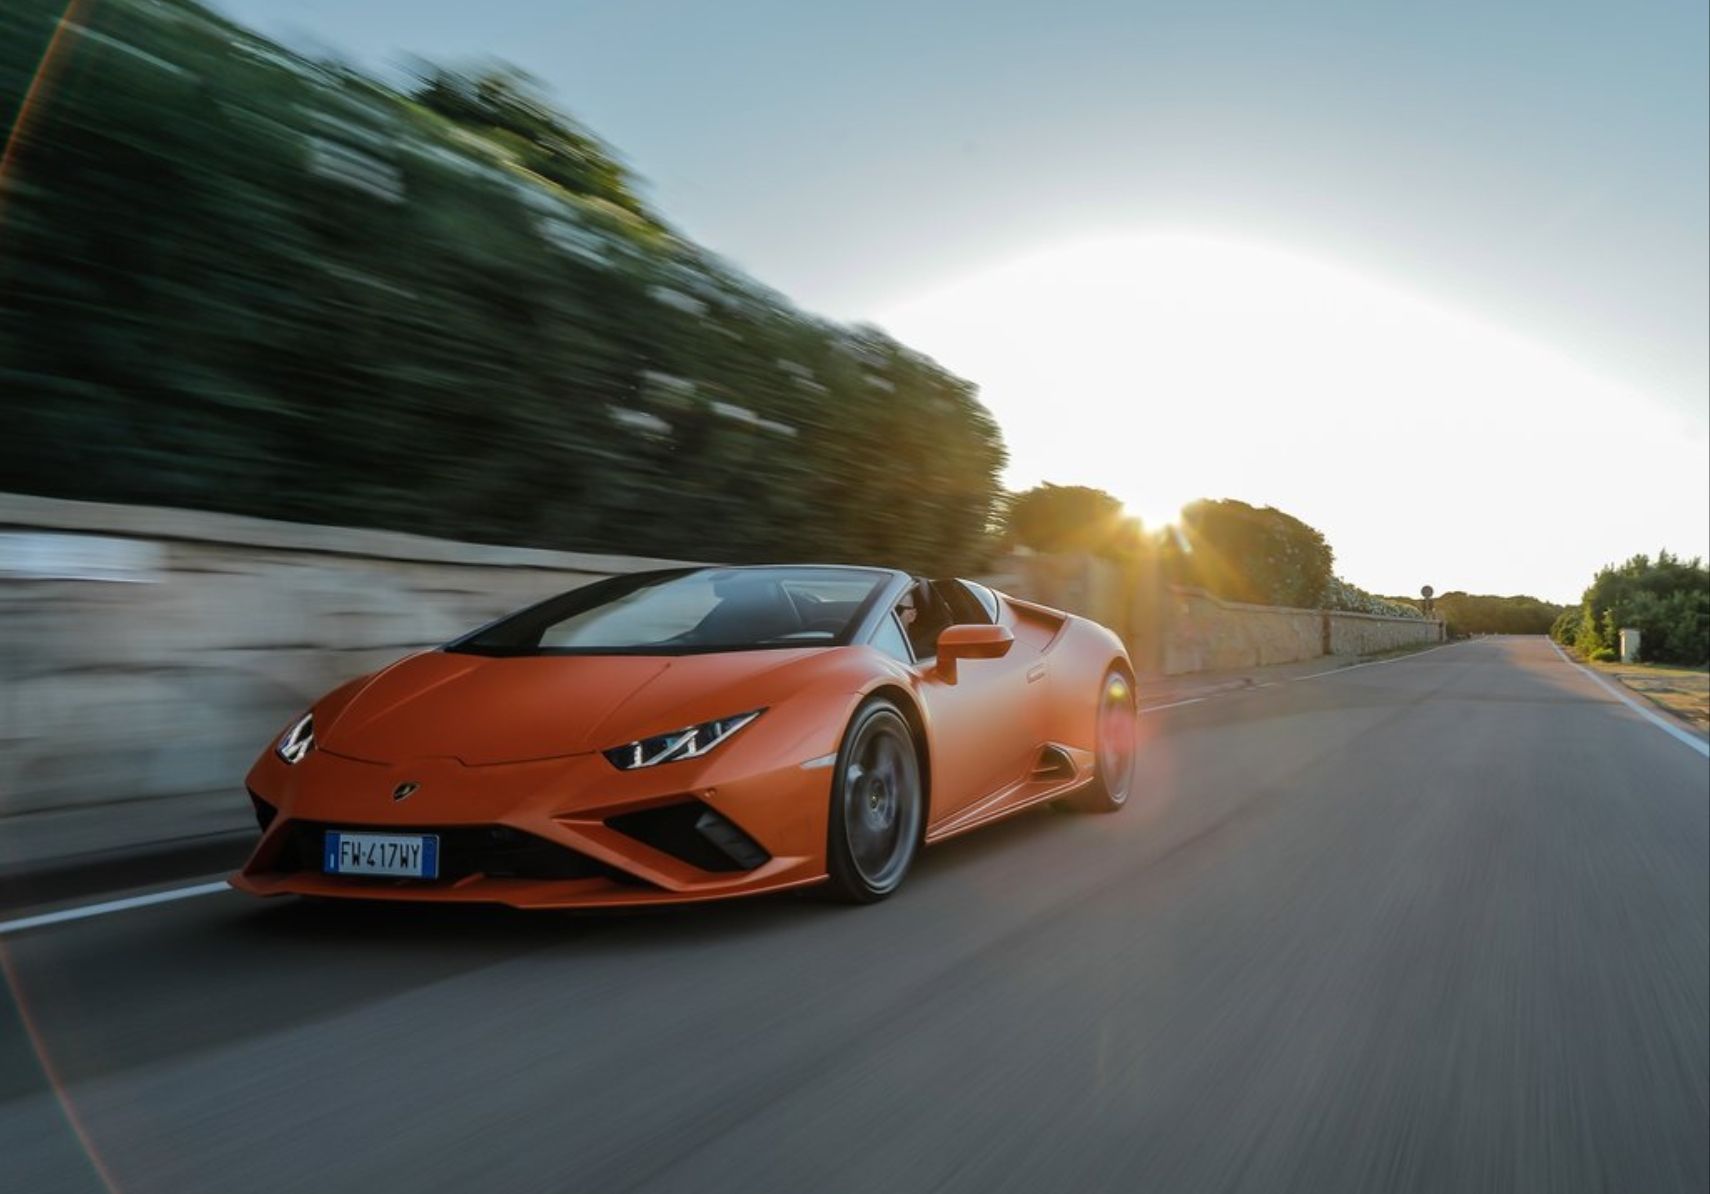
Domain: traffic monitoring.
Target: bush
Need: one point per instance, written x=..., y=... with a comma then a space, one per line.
x=1602, y=655
x=1587, y=636
x=1340, y=595
x=1667, y=600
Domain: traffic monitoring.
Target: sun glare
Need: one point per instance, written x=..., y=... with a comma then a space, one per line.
x=1165, y=368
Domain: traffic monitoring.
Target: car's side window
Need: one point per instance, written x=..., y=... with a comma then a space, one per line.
x=889, y=639
x=967, y=602
x=986, y=598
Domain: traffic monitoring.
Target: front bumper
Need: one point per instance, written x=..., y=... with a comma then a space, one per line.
x=572, y=832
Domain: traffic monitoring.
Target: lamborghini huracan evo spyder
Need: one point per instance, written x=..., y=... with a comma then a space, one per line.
x=694, y=734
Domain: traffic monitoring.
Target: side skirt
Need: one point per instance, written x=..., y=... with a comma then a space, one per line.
x=1007, y=800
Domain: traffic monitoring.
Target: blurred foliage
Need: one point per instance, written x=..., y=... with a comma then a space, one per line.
x=1070, y=518
x=508, y=106
x=1667, y=600
x=1246, y=553
x=1479, y=613
x=238, y=279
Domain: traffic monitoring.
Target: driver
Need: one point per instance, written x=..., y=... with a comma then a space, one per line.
x=907, y=610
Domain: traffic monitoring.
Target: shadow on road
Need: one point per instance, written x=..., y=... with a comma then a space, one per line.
x=106, y=997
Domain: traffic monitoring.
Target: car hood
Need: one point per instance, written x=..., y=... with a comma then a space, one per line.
x=482, y=709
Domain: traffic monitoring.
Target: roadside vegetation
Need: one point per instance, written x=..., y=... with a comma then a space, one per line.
x=1466, y=614
x=1683, y=691
x=1667, y=599
x=233, y=277
x=238, y=278
x=1235, y=551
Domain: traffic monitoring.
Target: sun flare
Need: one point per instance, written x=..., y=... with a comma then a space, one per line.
x=1168, y=367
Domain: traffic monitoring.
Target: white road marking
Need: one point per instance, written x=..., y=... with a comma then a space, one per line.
x=1656, y=719
x=1314, y=676
x=103, y=908
x=1354, y=667
x=1172, y=705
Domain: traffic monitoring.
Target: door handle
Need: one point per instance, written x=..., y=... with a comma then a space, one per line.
x=1036, y=672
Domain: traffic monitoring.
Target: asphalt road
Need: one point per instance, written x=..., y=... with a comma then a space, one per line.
x=1437, y=924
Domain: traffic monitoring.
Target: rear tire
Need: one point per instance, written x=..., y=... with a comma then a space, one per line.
x=878, y=807
x=1115, y=735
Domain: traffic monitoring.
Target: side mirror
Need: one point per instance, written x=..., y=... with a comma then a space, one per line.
x=971, y=642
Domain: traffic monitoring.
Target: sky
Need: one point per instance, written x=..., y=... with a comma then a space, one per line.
x=1435, y=278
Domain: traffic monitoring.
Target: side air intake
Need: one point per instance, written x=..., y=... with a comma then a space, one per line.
x=1053, y=763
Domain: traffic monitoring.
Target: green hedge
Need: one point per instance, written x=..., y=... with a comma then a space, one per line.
x=1667, y=600
x=236, y=279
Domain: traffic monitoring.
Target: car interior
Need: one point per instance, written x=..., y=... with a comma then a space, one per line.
x=931, y=605
x=762, y=609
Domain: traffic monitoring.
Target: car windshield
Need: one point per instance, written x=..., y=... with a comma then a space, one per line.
x=689, y=611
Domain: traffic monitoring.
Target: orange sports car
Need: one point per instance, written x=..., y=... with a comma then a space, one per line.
x=693, y=734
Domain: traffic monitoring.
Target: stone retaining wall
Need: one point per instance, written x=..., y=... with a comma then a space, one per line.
x=1370, y=634
x=1083, y=584
x=148, y=652
x=1202, y=633
x=1177, y=630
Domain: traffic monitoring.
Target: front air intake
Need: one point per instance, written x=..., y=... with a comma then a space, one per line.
x=691, y=832
x=264, y=812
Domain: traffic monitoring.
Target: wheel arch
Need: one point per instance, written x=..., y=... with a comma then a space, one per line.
x=1120, y=663
x=905, y=701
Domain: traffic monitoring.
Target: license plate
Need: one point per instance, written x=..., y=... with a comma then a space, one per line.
x=411, y=855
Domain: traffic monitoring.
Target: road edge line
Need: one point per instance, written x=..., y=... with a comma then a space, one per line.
x=84, y=912
x=1233, y=689
x=1656, y=719
x=1354, y=667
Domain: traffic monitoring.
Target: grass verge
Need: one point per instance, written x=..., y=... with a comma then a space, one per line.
x=1683, y=691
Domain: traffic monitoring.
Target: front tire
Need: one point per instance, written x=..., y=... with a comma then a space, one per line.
x=1115, y=736
x=878, y=806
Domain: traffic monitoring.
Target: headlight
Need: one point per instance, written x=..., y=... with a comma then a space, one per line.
x=298, y=741
x=688, y=743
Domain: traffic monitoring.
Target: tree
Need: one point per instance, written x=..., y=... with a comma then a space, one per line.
x=1255, y=554
x=509, y=106
x=1481, y=613
x=1070, y=518
x=1667, y=600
